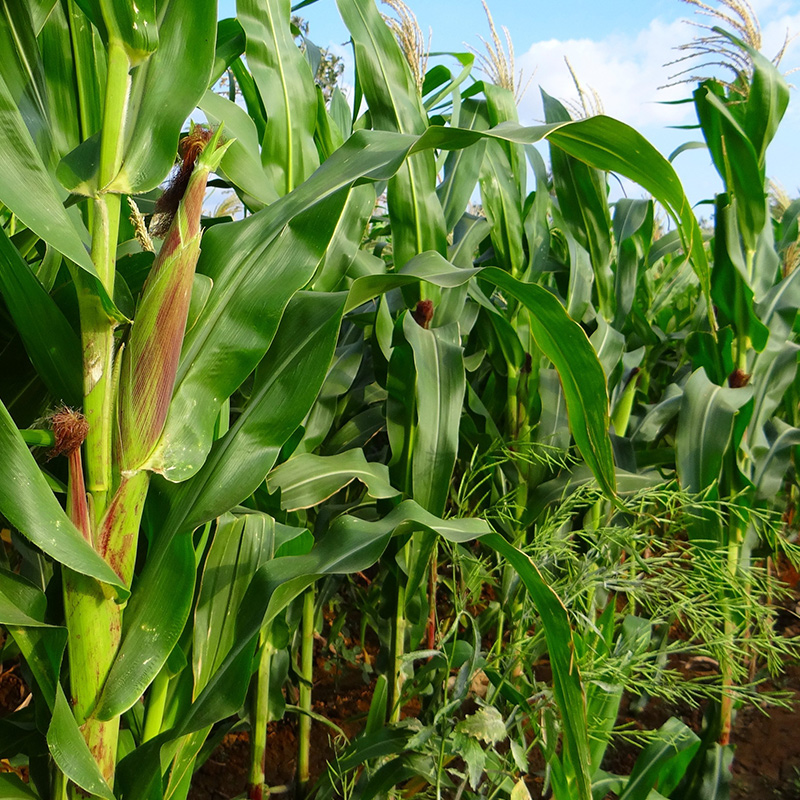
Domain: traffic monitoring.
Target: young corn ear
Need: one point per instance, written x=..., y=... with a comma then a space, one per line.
x=151, y=360
x=70, y=429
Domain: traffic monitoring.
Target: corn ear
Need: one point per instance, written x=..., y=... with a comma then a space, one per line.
x=151, y=359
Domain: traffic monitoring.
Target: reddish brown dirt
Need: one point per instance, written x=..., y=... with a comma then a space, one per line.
x=767, y=760
x=767, y=763
x=767, y=755
x=340, y=695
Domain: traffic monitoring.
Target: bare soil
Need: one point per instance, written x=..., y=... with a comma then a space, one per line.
x=766, y=741
x=767, y=744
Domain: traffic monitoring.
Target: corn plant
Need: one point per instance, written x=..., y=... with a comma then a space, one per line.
x=211, y=397
x=126, y=378
x=716, y=376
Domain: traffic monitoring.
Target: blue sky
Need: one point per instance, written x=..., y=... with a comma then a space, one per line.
x=617, y=48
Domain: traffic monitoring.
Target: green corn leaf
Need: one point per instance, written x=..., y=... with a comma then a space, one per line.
x=242, y=163
x=736, y=161
x=567, y=686
x=563, y=341
x=28, y=189
x=401, y=413
x=684, y=147
x=13, y=788
x=449, y=83
x=83, y=68
x=29, y=505
x=773, y=372
x=537, y=229
x=767, y=99
x=52, y=345
x=58, y=62
x=668, y=244
x=340, y=111
x=440, y=385
x=429, y=267
x=502, y=107
x=629, y=217
x=395, y=105
x=24, y=76
x=71, y=753
x=633, y=222
x=286, y=86
x=183, y=765
x=383, y=71
x=500, y=337
x=789, y=225
x=553, y=427
x=739, y=279
x=307, y=480
x=89, y=59
x=230, y=45
x=503, y=205
x=287, y=382
x=615, y=147
x=705, y=427
x=581, y=275
x=462, y=167
x=771, y=466
x=40, y=10
x=609, y=344
x=164, y=92
x=327, y=135
x=604, y=782
x=766, y=266
x=22, y=612
x=357, y=431
x=778, y=309
x=709, y=775
x=582, y=200
x=376, y=717
x=153, y=622
x=340, y=377
x=252, y=99
x=201, y=289
x=242, y=543
x=394, y=773
x=344, y=245
x=659, y=415
x=663, y=762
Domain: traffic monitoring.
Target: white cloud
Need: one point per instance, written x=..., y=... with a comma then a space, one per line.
x=627, y=70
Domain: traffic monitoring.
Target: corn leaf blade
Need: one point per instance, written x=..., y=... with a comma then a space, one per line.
x=52, y=345
x=29, y=505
